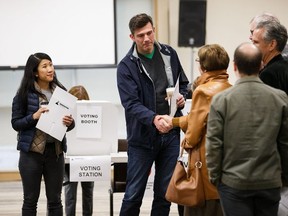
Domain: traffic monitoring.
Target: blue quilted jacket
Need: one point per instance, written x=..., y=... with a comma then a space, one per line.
x=24, y=123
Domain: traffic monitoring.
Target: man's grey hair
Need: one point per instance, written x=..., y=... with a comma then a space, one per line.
x=274, y=30
x=264, y=17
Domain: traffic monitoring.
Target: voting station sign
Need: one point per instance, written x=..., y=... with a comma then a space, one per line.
x=90, y=168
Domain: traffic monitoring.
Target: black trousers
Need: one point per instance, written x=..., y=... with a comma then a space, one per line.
x=249, y=202
x=33, y=166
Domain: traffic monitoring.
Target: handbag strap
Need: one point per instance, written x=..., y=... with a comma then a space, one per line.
x=194, y=156
x=180, y=157
x=181, y=152
x=194, y=161
x=198, y=163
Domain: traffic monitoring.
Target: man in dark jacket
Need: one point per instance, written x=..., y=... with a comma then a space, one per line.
x=271, y=38
x=142, y=78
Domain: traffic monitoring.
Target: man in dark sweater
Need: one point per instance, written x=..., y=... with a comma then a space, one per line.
x=271, y=38
x=142, y=78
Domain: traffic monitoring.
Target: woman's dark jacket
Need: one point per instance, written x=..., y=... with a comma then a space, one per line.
x=24, y=123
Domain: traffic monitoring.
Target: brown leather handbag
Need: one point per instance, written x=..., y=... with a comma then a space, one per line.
x=186, y=188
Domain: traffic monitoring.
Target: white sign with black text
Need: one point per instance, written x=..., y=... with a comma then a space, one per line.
x=90, y=168
x=89, y=121
x=61, y=103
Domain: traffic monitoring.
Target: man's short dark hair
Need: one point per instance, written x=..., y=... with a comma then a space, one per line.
x=139, y=21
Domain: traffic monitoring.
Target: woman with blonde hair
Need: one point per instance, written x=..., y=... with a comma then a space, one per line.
x=213, y=63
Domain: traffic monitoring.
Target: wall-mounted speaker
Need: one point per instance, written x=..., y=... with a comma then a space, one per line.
x=192, y=23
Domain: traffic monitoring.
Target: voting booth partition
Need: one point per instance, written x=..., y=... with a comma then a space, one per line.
x=92, y=141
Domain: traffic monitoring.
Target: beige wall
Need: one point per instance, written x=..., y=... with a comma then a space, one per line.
x=227, y=23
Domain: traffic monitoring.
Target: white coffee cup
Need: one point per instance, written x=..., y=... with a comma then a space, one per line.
x=170, y=91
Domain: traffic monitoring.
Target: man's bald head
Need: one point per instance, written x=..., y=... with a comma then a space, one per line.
x=248, y=59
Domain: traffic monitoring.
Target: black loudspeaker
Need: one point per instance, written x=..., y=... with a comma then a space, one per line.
x=192, y=23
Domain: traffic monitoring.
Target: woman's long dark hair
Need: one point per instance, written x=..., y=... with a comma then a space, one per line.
x=27, y=84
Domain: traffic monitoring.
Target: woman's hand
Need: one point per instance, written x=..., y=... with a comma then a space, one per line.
x=68, y=120
x=37, y=114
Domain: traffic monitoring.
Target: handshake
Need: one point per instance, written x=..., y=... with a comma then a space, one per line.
x=163, y=123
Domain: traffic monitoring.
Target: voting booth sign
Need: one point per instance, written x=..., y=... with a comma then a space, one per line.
x=95, y=131
x=89, y=121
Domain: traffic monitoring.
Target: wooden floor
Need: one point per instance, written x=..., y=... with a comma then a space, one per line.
x=11, y=201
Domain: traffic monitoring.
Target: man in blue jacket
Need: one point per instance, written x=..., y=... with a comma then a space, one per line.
x=142, y=78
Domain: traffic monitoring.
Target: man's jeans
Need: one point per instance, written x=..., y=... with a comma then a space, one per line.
x=140, y=160
x=32, y=167
x=249, y=202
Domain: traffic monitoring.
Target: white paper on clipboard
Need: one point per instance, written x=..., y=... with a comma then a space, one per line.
x=61, y=103
x=173, y=100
